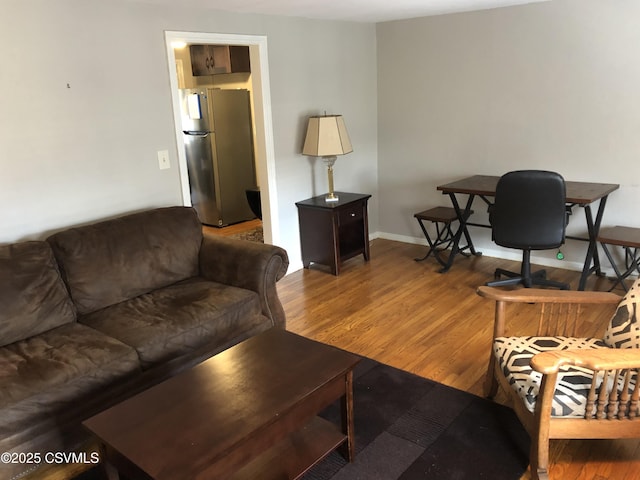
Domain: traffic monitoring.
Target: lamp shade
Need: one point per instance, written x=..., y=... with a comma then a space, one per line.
x=326, y=136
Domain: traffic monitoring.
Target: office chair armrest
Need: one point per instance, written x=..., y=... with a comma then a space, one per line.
x=593, y=359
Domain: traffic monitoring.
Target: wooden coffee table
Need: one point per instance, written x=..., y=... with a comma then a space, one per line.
x=247, y=413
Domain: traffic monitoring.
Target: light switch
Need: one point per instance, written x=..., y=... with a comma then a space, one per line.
x=163, y=159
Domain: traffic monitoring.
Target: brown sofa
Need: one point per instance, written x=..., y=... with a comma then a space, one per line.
x=97, y=313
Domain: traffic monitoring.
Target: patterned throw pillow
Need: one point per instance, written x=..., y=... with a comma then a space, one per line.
x=624, y=327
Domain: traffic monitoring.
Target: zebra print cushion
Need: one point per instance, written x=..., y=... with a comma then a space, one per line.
x=514, y=354
x=624, y=328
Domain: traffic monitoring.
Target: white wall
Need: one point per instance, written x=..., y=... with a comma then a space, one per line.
x=86, y=103
x=549, y=85
x=553, y=85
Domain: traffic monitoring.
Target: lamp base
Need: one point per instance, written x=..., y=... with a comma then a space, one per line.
x=329, y=161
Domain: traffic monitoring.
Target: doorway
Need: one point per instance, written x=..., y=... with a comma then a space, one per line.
x=264, y=149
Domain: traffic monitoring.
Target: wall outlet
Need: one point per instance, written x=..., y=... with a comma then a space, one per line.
x=163, y=159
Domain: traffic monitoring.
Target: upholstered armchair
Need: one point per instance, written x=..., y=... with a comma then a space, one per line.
x=563, y=384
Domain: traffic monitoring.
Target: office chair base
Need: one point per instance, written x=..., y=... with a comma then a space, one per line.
x=538, y=278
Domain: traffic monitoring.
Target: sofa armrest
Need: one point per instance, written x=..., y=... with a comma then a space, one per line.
x=251, y=265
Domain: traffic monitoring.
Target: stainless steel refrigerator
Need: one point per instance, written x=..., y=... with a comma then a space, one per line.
x=218, y=137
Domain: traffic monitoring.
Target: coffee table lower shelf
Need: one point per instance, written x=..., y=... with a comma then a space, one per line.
x=296, y=454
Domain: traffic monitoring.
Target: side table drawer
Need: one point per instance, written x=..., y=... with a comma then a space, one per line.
x=351, y=214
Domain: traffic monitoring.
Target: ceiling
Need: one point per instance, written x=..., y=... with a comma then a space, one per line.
x=350, y=10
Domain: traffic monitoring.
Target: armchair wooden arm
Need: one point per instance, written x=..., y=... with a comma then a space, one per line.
x=613, y=368
x=596, y=359
x=611, y=409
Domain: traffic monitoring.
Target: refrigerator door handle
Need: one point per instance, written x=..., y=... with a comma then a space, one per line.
x=198, y=134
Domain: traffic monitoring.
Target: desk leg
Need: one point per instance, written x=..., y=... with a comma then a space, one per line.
x=619, y=276
x=592, y=251
x=467, y=235
x=631, y=259
x=462, y=229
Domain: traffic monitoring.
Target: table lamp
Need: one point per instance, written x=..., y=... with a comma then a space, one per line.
x=327, y=137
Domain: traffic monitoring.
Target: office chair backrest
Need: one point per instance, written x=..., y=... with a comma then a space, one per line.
x=529, y=212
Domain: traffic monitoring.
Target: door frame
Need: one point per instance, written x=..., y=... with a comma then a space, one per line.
x=265, y=152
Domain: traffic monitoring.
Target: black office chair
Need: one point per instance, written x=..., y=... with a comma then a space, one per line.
x=529, y=213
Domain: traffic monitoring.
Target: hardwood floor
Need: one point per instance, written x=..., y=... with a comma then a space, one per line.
x=406, y=314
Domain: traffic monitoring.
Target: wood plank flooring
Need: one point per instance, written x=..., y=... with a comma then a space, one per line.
x=406, y=314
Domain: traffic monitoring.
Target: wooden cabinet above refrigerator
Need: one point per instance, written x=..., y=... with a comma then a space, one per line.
x=215, y=59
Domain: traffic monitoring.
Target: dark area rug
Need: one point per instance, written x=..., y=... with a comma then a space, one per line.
x=408, y=427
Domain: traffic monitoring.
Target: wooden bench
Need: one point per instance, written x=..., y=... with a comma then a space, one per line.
x=629, y=239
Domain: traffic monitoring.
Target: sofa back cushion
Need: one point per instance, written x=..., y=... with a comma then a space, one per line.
x=33, y=297
x=116, y=260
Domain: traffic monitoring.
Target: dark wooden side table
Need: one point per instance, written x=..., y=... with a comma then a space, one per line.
x=332, y=232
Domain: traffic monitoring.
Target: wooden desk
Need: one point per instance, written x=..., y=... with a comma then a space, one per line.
x=582, y=194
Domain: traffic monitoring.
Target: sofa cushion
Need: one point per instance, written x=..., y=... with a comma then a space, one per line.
x=33, y=297
x=623, y=330
x=116, y=260
x=45, y=375
x=174, y=320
